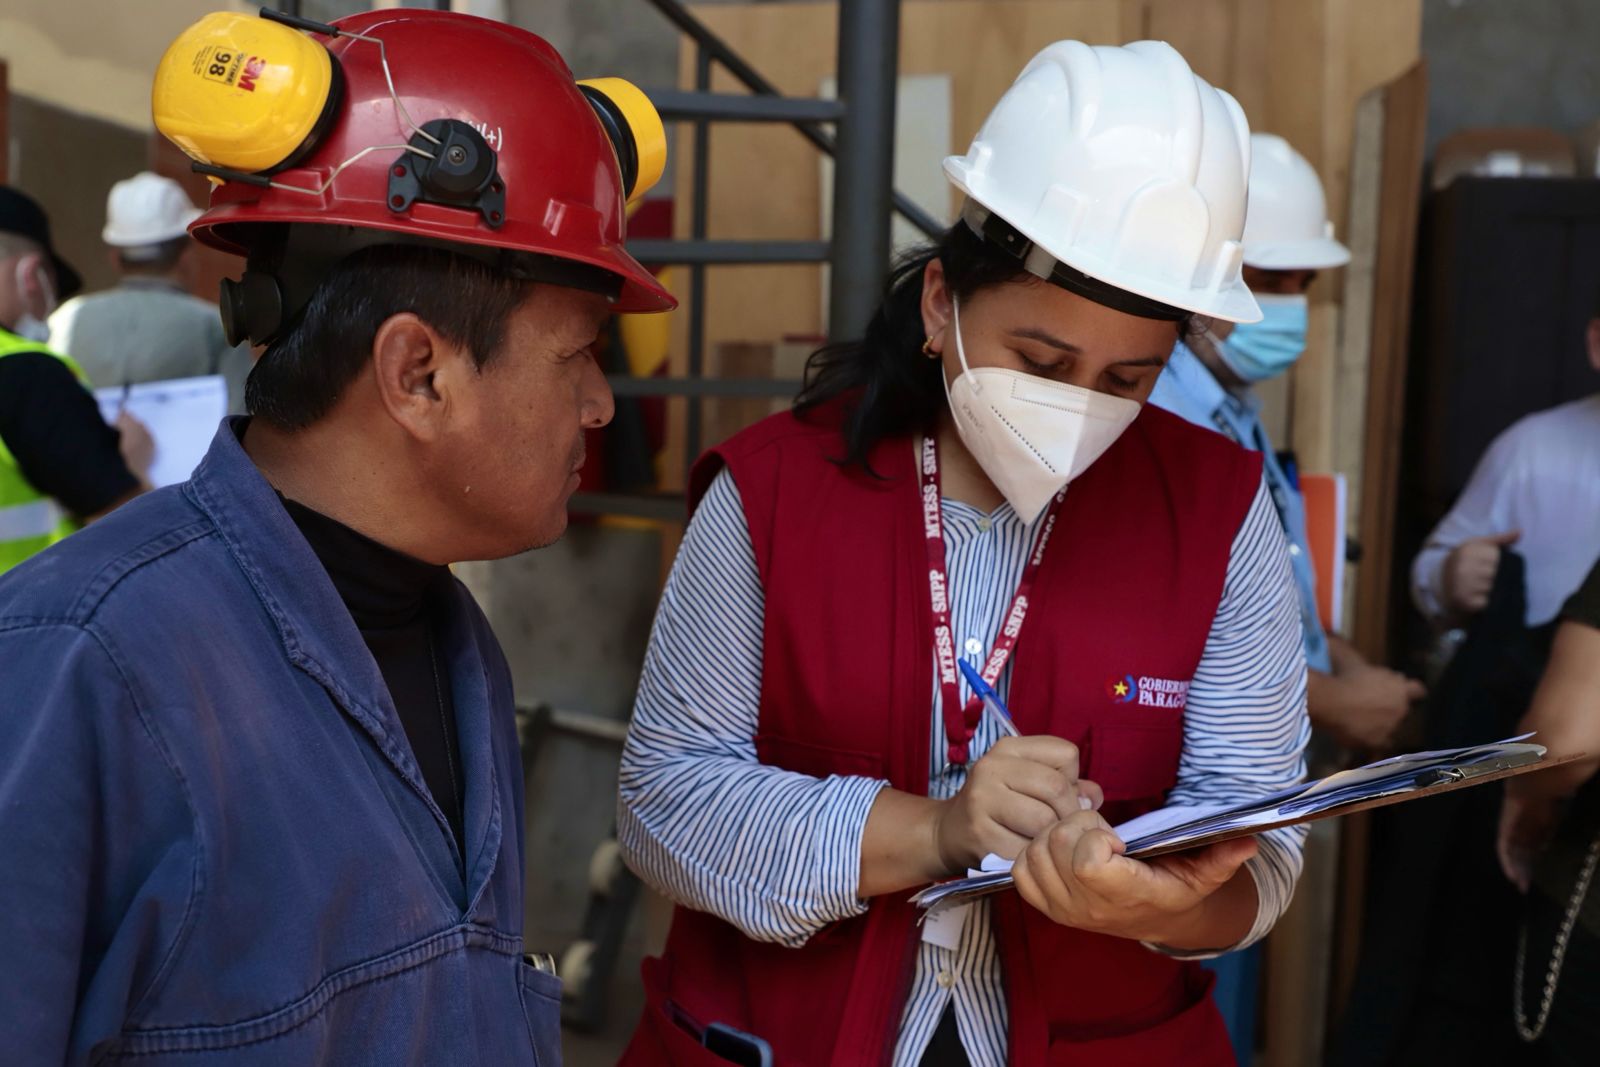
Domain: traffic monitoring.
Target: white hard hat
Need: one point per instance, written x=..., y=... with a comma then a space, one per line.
x=1287, y=227
x=147, y=210
x=1123, y=167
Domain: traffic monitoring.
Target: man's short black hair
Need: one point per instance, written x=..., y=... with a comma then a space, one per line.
x=302, y=375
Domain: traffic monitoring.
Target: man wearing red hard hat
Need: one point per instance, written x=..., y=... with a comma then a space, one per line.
x=260, y=792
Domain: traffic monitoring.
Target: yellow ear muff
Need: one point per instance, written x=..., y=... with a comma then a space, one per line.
x=635, y=130
x=245, y=93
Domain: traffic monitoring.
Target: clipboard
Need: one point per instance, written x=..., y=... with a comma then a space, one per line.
x=1435, y=774
x=1448, y=780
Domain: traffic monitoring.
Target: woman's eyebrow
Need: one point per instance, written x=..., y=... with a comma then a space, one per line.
x=1033, y=333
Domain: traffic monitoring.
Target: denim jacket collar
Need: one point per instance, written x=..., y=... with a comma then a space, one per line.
x=320, y=638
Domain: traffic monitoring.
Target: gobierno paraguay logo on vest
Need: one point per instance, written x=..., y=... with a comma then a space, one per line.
x=1147, y=691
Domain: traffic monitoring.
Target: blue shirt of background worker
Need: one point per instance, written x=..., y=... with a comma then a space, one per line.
x=1187, y=388
x=1288, y=238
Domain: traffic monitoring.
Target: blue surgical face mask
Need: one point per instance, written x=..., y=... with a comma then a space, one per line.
x=1256, y=351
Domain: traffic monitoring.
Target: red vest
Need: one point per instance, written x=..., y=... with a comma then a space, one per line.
x=1127, y=593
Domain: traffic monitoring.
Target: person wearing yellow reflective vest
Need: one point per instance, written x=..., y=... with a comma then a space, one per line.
x=60, y=464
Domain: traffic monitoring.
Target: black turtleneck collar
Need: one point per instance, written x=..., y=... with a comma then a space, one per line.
x=381, y=587
x=397, y=602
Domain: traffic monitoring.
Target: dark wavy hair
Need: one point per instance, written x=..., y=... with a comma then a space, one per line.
x=881, y=385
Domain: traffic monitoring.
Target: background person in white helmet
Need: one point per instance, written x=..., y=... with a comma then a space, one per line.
x=979, y=478
x=149, y=327
x=1287, y=240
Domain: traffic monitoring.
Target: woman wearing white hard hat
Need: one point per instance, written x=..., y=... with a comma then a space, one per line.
x=978, y=480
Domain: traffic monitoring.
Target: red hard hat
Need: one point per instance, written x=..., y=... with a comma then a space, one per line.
x=563, y=185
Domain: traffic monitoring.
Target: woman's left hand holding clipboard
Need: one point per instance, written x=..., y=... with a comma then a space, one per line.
x=1076, y=874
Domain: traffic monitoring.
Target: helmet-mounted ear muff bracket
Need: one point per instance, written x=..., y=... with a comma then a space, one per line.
x=299, y=22
x=456, y=168
x=288, y=262
x=997, y=231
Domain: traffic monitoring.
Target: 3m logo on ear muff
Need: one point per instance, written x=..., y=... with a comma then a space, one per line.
x=252, y=70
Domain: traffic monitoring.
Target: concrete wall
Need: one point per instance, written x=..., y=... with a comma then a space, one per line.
x=94, y=57
x=1511, y=62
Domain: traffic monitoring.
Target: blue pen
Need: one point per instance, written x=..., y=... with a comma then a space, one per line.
x=990, y=698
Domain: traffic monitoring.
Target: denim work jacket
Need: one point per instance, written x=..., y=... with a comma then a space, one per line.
x=215, y=844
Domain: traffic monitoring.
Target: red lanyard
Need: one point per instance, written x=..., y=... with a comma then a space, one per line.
x=960, y=723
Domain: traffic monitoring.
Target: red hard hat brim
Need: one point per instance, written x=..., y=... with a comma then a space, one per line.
x=642, y=292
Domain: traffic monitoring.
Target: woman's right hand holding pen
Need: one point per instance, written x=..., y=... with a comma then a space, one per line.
x=1017, y=790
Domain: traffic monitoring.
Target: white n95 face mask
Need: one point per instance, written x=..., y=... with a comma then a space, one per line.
x=1031, y=435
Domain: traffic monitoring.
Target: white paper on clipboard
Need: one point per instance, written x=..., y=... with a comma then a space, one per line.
x=182, y=416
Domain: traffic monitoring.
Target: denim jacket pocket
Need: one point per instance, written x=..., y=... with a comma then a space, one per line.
x=541, y=1008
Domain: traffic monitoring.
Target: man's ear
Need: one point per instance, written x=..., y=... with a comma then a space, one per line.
x=31, y=267
x=409, y=361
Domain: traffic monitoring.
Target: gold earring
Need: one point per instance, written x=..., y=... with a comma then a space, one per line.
x=927, y=349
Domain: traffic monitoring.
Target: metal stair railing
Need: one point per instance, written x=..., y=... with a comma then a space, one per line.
x=863, y=202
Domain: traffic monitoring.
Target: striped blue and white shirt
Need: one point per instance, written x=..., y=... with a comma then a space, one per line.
x=778, y=854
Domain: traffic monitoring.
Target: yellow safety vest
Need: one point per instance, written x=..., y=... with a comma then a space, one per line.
x=30, y=521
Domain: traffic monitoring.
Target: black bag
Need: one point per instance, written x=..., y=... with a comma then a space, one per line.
x=1558, y=953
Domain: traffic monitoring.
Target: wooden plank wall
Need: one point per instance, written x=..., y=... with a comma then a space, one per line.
x=1404, y=147
x=1298, y=68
